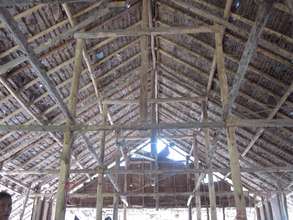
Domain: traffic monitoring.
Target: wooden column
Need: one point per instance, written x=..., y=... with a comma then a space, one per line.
x=230, y=132
x=211, y=186
x=125, y=183
x=235, y=173
x=144, y=62
x=99, y=199
x=24, y=203
x=116, y=197
x=68, y=136
x=224, y=216
x=196, y=178
x=190, y=212
x=267, y=210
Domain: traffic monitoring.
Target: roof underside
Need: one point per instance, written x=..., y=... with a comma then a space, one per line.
x=183, y=65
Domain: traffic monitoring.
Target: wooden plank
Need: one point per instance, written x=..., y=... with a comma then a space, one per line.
x=263, y=15
x=68, y=137
x=144, y=31
x=5, y=3
x=19, y=37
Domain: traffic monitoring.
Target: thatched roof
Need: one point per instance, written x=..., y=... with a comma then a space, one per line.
x=183, y=65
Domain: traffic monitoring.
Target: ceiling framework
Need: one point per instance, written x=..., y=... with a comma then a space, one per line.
x=142, y=71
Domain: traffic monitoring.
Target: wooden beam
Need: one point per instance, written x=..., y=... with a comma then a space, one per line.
x=144, y=63
x=153, y=100
x=230, y=132
x=136, y=194
x=290, y=6
x=267, y=48
x=48, y=30
x=224, y=88
x=24, y=204
x=249, y=123
x=209, y=149
x=249, y=50
x=5, y=3
x=271, y=116
x=95, y=82
x=144, y=31
x=235, y=171
x=68, y=137
x=99, y=199
x=271, y=169
x=19, y=37
x=197, y=177
x=227, y=12
x=116, y=197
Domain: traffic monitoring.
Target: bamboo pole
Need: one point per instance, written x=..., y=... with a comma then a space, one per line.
x=235, y=173
x=99, y=199
x=116, y=197
x=68, y=137
x=24, y=203
x=248, y=123
x=209, y=149
x=230, y=132
x=197, y=176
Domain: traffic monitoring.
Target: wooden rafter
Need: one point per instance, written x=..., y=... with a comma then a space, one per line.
x=270, y=50
x=227, y=13
x=40, y=69
x=271, y=116
x=4, y=3
x=249, y=50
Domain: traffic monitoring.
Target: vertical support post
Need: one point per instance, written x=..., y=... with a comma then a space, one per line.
x=99, y=199
x=211, y=186
x=224, y=216
x=230, y=132
x=190, y=212
x=196, y=177
x=235, y=173
x=116, y=197
x=24, y=203
x=125, y=184
x=144, y=63
x=68, y=136
x=208, y=214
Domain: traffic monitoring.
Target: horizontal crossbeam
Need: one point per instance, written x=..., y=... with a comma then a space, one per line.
x=252, y=123
x=142, y=32
x=151, y=172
